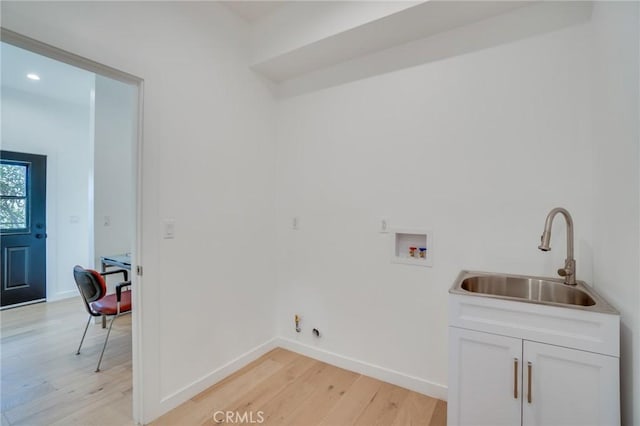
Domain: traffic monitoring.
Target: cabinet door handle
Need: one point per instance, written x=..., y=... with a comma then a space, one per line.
x=529, y=382
x=515, y=378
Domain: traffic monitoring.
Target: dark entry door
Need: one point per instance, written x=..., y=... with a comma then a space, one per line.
x=22, y=227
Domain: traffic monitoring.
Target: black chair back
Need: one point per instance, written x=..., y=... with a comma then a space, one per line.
x=91, y=287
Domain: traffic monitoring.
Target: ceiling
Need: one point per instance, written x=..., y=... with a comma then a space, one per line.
x=252, y=11
x=57, y=80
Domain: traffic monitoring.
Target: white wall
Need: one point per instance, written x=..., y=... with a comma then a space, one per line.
x=113, y=182
x=616, y=180
x=477, y=148
x=60, y=130
x=207, y=296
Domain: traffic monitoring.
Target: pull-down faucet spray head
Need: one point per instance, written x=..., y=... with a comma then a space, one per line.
x=545, y=240
x=569, y=270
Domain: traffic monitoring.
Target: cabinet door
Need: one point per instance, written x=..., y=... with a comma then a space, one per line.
x=485, y=375
x=569, y=387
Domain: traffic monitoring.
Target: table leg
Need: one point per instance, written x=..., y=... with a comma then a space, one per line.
x=103, y=268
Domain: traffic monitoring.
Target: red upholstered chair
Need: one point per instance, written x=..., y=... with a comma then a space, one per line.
x=93, y=290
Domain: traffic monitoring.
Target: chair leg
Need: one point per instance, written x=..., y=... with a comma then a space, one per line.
x=105, y=342
x=84, y=334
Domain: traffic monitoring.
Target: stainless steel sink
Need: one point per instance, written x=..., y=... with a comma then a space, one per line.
x=547, y=291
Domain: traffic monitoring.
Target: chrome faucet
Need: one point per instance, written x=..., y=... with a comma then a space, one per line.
x=569, y=270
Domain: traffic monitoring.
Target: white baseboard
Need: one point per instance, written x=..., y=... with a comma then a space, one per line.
x=413, y=383
x=192, y=389
x=63, y=295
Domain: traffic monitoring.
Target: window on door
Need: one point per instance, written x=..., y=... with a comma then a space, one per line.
x=14, y=196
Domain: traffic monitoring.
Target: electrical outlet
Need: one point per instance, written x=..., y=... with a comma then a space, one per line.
x=384, y=226
x=295, y=223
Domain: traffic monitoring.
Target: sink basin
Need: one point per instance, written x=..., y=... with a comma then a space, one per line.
x=527, y=288
x=548, y=291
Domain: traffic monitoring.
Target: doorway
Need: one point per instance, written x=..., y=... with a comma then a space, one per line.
x=23, y=194
x=125, y=353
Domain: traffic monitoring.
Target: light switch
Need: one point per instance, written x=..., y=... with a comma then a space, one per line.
x=295, y=223
x=169, y=231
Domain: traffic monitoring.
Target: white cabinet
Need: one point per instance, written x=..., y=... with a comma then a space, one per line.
x=508, y=366
x=485, y=384
x=490, y=376
x=569, y=387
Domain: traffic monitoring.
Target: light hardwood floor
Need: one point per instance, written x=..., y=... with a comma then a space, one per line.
x=45, y=383
x=284, y=388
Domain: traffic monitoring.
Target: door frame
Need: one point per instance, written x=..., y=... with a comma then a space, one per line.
x=44, y=49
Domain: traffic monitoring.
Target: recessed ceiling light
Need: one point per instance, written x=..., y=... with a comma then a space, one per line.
x=32, y=76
